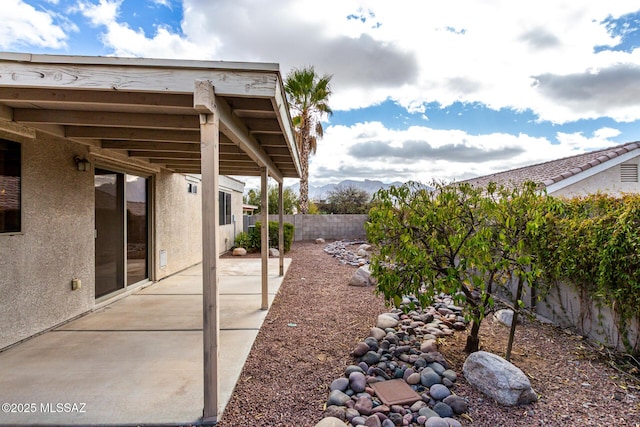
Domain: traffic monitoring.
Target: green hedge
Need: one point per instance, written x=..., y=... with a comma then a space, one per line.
x=252, y=241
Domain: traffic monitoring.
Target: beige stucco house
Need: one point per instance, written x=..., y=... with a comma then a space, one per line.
x=113, y=174
x=612, y=170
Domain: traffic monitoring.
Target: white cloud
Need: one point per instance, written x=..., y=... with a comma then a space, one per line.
x=23, y=25
x=126, y=41
x=369, y=150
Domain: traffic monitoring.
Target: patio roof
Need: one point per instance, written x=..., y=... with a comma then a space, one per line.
x=144, y=108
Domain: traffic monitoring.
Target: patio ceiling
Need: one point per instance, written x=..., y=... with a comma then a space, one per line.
x=144, y=108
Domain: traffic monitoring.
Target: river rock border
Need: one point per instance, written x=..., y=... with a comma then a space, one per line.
x=403, y=345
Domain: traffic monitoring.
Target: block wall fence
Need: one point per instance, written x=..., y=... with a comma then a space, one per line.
x=311, y=227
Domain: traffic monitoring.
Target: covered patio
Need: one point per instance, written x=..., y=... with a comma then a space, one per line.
x=138, y=360
x=200, y=117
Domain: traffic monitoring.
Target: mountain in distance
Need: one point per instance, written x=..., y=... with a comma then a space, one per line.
x=322, y=192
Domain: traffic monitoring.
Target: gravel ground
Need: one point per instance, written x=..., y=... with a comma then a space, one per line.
x=316, y=320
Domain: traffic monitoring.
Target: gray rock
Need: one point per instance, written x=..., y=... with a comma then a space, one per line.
x=320, y=240
x=504, y=316
x=362, y=277
x=450, y=375
x=498, y=379
x=351, y=413
x=334, y=411
x=357, y=382
x=438, y=368
x=274, y=252
x=443, y=409
x=377, y=333
x=389, y=423
x=428, y=346
x=330, y=422
x=457, y=403
x=352, y=368
x=453, y=422
x=439, y=392
x=429, y=377
x=360, y=350
x=386, y=321
x=436, y=422
x=338, y=398
x=357, y=421
x=339, y=384
x=428, y=412
x=371, y=358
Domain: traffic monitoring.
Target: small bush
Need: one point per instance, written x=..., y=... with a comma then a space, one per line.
x=243, y=240
x=273, y=235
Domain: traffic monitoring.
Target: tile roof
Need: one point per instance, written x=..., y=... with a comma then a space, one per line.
x=554, y=171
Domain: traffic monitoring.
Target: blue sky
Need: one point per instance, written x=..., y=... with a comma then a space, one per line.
x=422, y=89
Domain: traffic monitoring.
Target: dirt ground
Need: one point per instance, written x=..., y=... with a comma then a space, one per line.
x=316, y=319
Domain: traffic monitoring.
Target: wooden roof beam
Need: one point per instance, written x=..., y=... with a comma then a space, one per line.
x=109, y=119
x=153, y=146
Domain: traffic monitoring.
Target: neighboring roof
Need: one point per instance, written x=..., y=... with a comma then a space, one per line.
x=145, y=109
x=554, y=171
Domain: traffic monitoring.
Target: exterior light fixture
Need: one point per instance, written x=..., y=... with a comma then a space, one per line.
x=83, y=165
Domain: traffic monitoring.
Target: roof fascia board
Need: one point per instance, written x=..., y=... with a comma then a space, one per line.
x=140, y=62
x=592, y=171
x=241, y=83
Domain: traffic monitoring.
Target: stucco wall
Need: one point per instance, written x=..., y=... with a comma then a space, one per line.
x=606, y=182
x=56, y=243
x=228, y=232
x=178, y=227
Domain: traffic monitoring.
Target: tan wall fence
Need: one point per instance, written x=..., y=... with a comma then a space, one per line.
x=311, y=227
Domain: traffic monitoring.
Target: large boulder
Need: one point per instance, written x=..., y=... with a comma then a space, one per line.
x=498, y=379
x=362, y=277
x=239, y=251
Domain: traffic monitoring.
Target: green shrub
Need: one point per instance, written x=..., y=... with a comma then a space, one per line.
x=273, y=235
x=243, y=240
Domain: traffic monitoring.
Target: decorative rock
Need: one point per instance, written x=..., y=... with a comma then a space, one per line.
x=386, y=321
x=339, y=384
x=357, y=421
x=352, y=368
x=351, y=413
x=504, y=316
x=377, y=333
x=429, y=377
x=239, y=252
x=330, y=422
x=436, y=422
x=371, y=358
x=443, y=409
x=413, y=379
x=452, y=422
x=362, y=277
x=439, y=392
x=274, y=252
x=428, y=346
x=438, y=368
x=320, y=240
x=360, y=350
x=428, y=413
x=357, y=382
x=364, y=405
x=498, y=379
x=373, y=421
x=338, y=398
x=450, y=375
x=334, y=411
x=457, y=403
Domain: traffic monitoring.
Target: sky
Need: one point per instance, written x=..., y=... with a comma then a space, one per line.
x=422, y=89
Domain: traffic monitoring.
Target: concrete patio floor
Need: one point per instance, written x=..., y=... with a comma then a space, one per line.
x=137, y=361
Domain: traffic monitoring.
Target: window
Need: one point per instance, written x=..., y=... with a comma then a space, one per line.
x=224, y=199
x=629, y=173
x=10, y=195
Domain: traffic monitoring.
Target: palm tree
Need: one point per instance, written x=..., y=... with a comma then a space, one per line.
x=308, y=98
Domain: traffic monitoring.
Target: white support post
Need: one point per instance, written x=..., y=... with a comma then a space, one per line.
x=204, y=102
x=264, y=239
x=281, y=225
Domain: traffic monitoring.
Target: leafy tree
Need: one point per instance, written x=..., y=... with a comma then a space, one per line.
x=348, y=200
x=289, y=199
x=308, y=95
x=454, y=239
